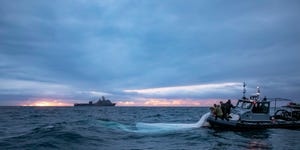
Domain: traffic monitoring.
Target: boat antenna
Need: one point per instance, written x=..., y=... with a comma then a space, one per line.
x=244, y=90
x=257, y=92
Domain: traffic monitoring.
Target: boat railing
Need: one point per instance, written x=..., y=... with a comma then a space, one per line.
x=276, y=100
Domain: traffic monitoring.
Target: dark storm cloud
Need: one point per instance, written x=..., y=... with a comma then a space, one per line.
x=111, y=46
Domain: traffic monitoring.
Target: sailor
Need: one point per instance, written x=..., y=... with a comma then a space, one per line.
x=228, y=107
x=265, y=99
x=223, y=108
x=213, y=110
x=219, y=113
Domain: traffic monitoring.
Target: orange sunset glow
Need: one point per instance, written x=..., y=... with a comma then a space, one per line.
x=47, y=102
x=150, y=102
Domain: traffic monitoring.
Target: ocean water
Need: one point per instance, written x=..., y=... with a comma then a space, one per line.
x=128, y=128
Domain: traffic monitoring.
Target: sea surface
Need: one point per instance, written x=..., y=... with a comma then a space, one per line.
x=105, y=128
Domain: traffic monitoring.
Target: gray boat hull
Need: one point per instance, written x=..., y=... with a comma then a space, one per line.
x=250, y=125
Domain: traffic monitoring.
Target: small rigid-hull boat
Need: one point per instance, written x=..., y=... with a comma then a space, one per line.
x=249, y=125
x=254, y=113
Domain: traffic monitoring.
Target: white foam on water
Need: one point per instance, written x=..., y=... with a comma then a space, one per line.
x=141, y=127
x=167, y=127
x=202, y=120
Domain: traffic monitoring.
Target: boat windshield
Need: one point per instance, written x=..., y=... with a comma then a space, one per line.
x=239, y=104
x=246, y=105
x=261, y=107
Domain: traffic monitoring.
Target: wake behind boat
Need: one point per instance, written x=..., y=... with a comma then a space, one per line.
x=255, y=113
x=100, y=102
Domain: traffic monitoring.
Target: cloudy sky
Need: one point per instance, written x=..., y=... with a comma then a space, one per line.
x=151, y=53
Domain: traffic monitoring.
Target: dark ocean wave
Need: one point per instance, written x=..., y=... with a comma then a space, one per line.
x=127, y=128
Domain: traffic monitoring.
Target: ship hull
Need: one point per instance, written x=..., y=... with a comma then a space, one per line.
x=83, y=104
x=250, y=125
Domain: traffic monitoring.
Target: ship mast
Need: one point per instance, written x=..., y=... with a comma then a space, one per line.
x=244, y=90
